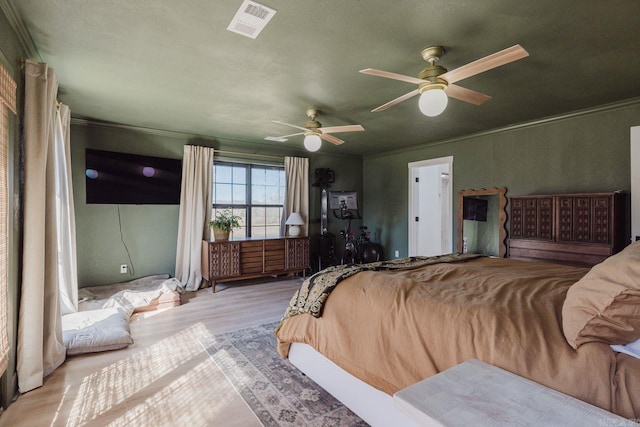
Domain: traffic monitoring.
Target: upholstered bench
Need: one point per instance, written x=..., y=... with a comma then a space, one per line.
x=478, y=394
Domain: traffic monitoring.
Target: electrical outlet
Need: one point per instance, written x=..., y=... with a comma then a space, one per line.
x=397, y=254
x=123, y=268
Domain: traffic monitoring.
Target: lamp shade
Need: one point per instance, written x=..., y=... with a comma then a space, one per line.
x=295, y=219
x=312, y=142
x=433, y=102
x=294, y=222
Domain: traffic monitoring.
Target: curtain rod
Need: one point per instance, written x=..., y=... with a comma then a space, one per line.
x=248, y=154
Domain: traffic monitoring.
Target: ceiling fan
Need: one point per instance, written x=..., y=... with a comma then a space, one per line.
x=436, y=84
x=314, y=133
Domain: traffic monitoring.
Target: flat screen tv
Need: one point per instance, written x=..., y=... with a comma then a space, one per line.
x=121, y=178
x=348, y=198
x=474, y=209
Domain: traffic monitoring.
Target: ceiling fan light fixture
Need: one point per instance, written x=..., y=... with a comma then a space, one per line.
x=437, y=79
x=433, y=101
x=312, y=142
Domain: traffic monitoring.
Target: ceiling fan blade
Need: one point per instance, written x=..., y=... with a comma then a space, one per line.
x=293, y=134
x=394, y=76
x=338, y=129
x=293, y=126
x=275, y=138
x=487, y=63
x=466, y=95
x=282, y=138
x=396, y=101
x=332, y=139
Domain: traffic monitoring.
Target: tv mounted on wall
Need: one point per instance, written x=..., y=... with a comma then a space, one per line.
x=121, y=178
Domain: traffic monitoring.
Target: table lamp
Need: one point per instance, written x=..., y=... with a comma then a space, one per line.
x=294, y=222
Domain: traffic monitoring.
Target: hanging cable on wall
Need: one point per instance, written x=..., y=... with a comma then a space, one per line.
x=132, y=269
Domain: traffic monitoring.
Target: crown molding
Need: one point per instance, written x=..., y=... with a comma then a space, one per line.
x=240, y=144
x=546, y=120
x=18, y=25
x=151, y=131
x=539, y=122
x=186, y=136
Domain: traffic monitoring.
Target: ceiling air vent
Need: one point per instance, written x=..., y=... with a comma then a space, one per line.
x=250, y=19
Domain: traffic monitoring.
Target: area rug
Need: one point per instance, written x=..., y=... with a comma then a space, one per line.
x=275, y=390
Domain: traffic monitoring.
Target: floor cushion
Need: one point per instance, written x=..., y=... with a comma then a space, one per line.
x=143, y=294
x=96, y=330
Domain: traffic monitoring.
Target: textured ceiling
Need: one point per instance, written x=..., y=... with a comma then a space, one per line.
x=172, y=65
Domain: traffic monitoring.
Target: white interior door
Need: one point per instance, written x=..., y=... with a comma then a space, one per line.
x=430, y=208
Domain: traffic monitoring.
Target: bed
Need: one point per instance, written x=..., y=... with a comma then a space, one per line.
x=381, y=330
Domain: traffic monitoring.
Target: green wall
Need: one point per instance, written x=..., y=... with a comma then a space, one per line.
x=583, y=152
x=150, y=231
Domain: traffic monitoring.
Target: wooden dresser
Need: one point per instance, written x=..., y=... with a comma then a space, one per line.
x=578, y=229
x=245, y=259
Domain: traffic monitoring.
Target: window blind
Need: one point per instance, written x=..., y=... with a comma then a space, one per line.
x=7, y=102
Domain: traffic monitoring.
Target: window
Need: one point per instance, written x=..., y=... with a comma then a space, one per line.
x=254, y=193
x=7, y=102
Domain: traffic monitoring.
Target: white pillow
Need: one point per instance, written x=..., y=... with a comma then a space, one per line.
x=95, y=330
x=632, y=349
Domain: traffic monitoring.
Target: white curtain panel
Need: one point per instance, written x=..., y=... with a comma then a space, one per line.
x=67, y=261
x=195, y=214
x=296, y=170
x=40, y=345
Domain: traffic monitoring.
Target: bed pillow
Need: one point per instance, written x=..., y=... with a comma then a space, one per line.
x=95, y=330
x=604, y=305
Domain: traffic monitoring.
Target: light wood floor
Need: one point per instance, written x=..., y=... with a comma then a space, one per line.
x=165, y=378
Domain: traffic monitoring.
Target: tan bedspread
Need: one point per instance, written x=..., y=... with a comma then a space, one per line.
x=393, y=329
x=316, y=289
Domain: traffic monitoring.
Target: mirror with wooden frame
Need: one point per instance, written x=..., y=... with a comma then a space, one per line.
x=481, y=221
